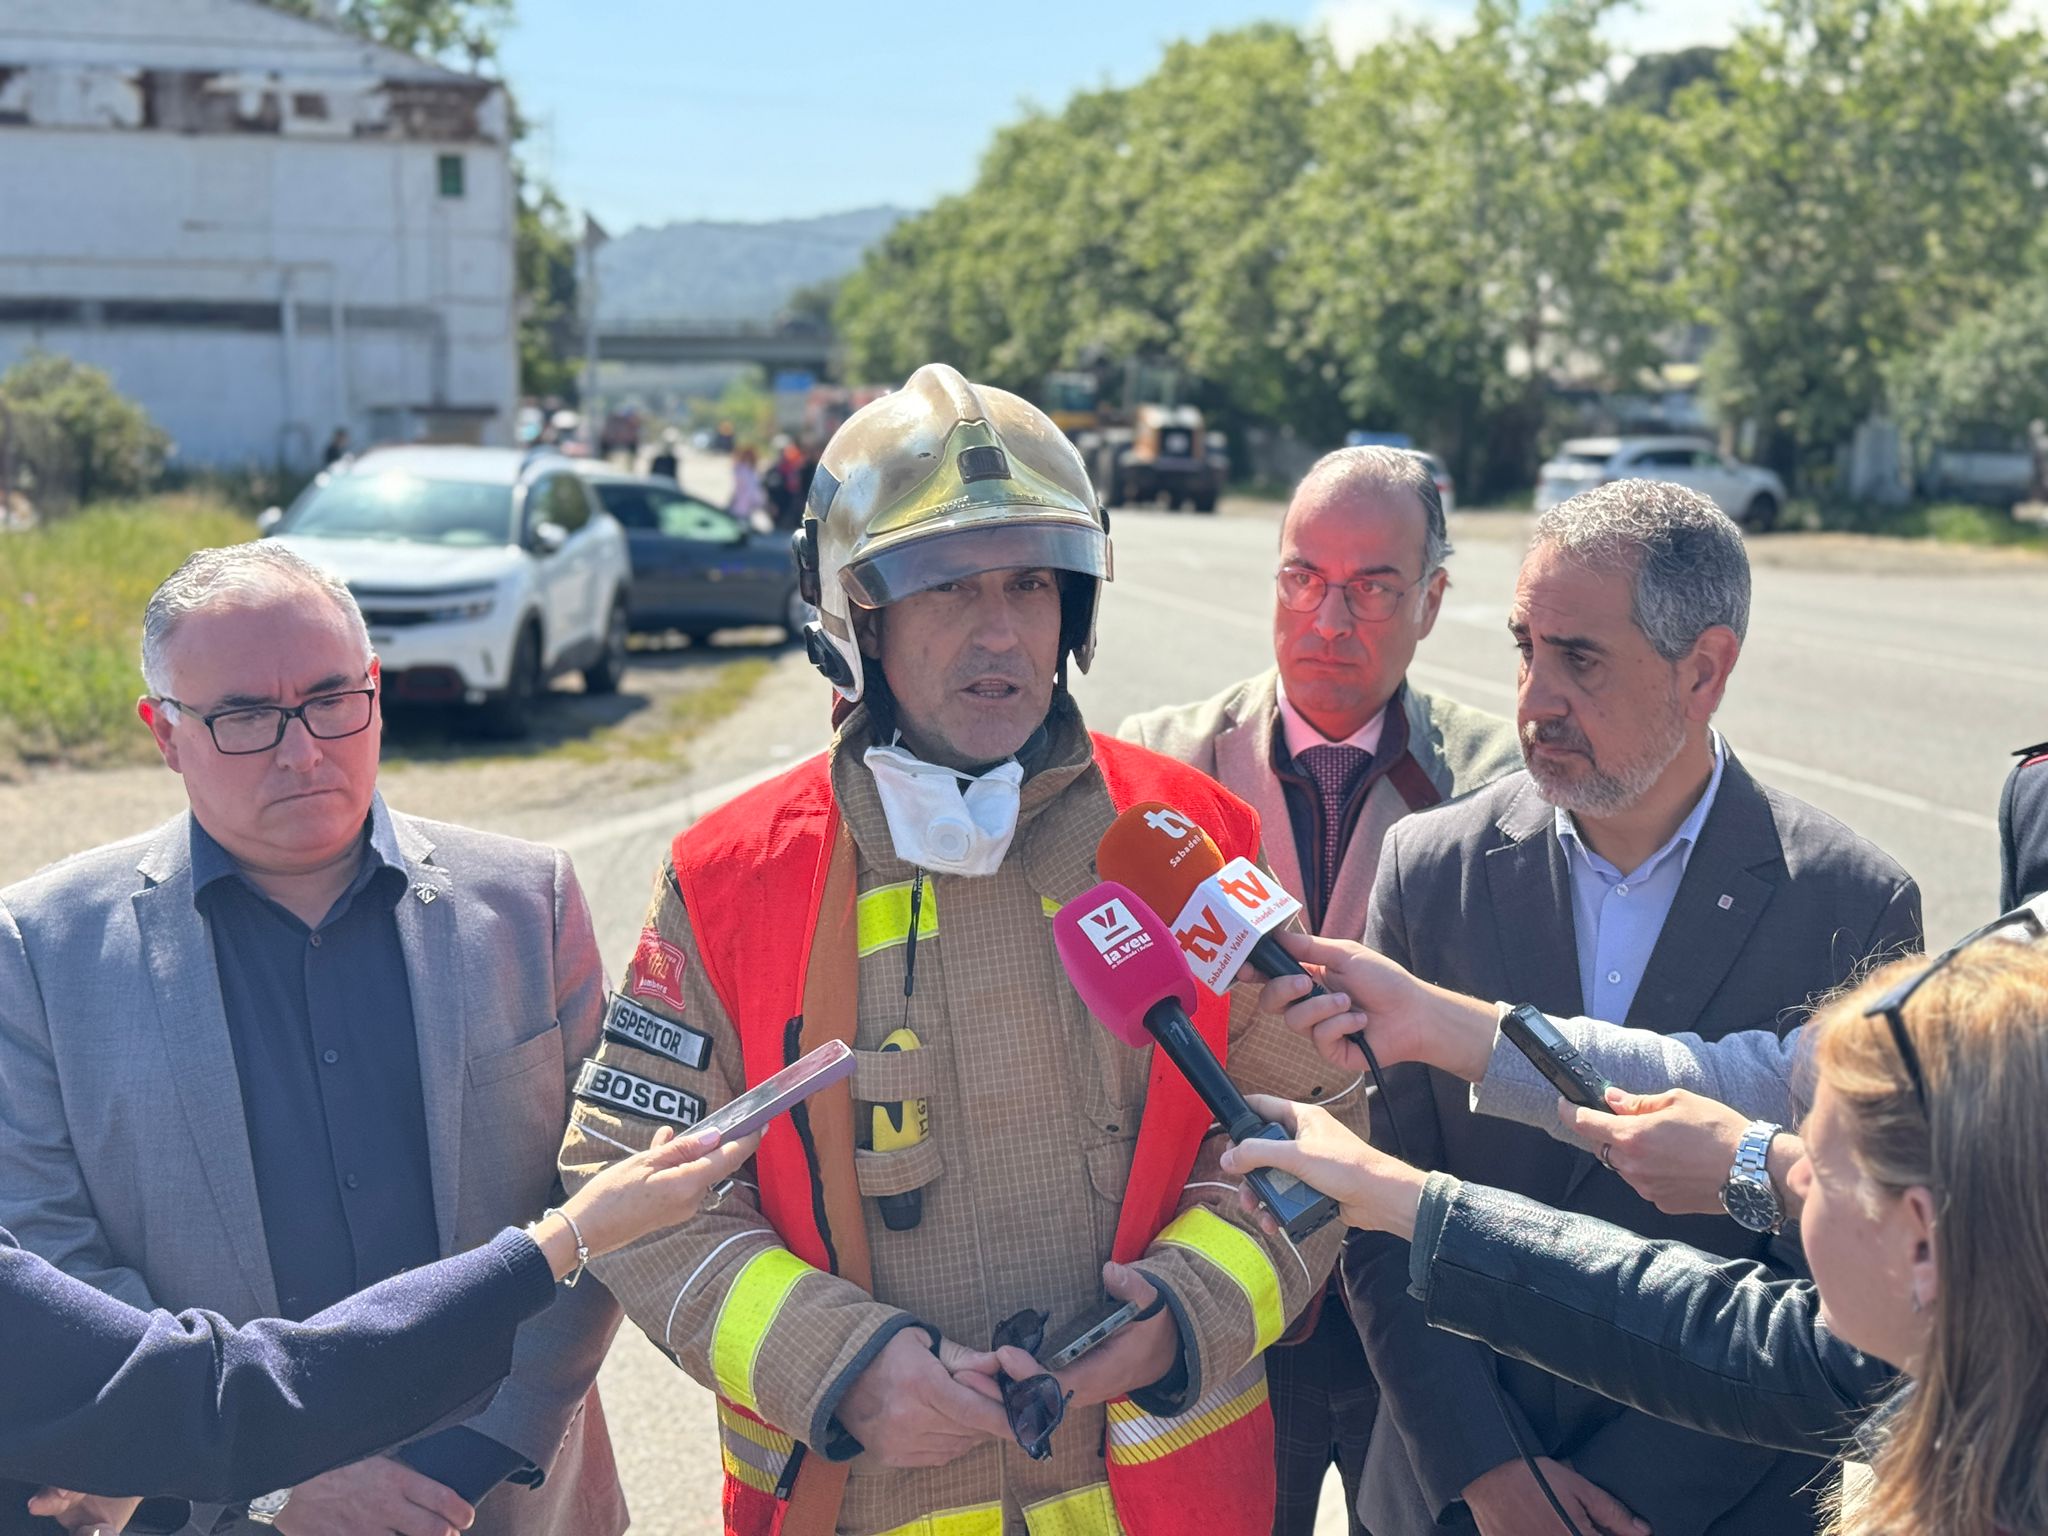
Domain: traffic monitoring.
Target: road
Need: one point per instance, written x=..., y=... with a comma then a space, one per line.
x=1885, y=683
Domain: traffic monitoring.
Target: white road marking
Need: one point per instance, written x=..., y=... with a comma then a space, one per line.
x=670, y=817
x=1471, y=684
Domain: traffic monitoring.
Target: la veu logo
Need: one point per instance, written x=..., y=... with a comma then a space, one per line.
x=1109, y=925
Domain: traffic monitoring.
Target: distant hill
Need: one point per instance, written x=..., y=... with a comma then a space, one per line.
x=702, y=270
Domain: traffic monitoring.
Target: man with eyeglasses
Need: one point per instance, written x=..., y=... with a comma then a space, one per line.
x=1636, y=872
x=294, y=1042
x=1335, y=744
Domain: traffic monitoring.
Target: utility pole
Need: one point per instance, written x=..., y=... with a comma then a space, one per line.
x=586, y=294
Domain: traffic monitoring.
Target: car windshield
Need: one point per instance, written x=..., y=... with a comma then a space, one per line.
x=403, y=508
x=653, y=509
x=1582, y=456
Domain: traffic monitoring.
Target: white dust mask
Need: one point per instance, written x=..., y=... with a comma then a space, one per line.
x=936, y=824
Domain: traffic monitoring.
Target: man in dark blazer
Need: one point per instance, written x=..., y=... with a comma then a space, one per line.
x=1635, y=871
x=293, y=1042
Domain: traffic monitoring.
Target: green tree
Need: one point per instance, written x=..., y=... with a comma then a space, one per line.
x=544, y=257
x=453, y=30
x=1874, y=172
x=1474, y=221
x=74, y=438
x=1987, y=374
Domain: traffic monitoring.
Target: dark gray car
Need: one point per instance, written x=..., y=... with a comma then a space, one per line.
x=696, y=568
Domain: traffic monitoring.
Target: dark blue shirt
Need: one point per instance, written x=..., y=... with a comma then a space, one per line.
x=322, y=1027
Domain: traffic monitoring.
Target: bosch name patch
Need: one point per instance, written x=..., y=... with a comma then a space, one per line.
x=656, y=970
x=626, y=1021
x=631, y=1095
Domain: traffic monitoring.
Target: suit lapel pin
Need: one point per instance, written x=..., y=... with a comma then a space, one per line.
x=1725, y=903
x=426, y=893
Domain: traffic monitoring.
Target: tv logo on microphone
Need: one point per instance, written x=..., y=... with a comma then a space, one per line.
x=1226, y=916
x=1115, y=934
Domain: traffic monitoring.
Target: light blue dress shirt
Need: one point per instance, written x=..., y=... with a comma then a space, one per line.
x=1618, y=916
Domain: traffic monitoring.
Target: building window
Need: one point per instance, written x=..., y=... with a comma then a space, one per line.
x=451, y=175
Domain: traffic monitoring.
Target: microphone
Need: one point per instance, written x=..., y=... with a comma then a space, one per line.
x=1229, y=912
x=1129, y=972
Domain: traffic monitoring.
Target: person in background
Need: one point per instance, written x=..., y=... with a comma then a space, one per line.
x=337, y=447
x=747, y=497
x=1335, y=744
x=100, y=1395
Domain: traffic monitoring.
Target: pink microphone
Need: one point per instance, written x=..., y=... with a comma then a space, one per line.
x=1129, y=971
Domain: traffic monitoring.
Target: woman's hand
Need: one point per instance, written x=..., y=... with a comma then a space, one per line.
x=88, y=1512
x=1371, y=1189
x=1371, y=997
x=642, y=1194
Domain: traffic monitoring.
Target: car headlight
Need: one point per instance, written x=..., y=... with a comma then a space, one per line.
x=462, y=606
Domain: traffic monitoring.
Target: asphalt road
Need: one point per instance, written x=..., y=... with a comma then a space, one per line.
x=1885, y=684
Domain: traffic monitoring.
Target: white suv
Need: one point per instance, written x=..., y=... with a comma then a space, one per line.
x=1752, y=496
x=482, y=572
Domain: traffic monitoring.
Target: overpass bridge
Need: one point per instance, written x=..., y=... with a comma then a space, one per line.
x=777, y=348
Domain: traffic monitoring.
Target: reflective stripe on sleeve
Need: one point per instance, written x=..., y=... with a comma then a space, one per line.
x=751, y=1451
x=744, y=1318
x=883, y=916
x=1232, y=1250
x=1136, y=1436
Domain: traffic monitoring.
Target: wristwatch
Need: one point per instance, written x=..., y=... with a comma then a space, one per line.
x=1749, y=1196
x=265, y=1508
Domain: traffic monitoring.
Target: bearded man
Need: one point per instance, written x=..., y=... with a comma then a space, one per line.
x=1635, y=872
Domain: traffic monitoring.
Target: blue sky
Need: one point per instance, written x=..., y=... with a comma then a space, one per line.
x=651, y=110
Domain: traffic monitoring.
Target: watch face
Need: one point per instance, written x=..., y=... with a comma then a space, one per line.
x=1754, y=1205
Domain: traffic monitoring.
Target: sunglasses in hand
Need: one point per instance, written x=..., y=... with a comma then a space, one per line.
x=1036, y=1405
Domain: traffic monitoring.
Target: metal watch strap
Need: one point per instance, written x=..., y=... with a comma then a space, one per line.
x=1753, y=1168
x=265, y=1508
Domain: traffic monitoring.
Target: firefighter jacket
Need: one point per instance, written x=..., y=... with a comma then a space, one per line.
x=1033, y=1156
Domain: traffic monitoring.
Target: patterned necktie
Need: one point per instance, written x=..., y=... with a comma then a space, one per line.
x=1336, y=768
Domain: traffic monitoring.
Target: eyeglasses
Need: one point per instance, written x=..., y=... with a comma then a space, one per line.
x=249, y=729
x=2031, y=920
x=1370, y=598
x=1036, y=1405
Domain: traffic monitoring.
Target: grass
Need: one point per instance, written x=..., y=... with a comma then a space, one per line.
x=660, y=741
x=1945, y=522
x=71, y=598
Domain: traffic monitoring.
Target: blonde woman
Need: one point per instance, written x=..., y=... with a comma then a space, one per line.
x=1924, y=1210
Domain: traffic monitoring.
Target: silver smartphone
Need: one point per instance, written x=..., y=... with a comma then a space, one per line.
x=1093, y=1328
x=829, y=1063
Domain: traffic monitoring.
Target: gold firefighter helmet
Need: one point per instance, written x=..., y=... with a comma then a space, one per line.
x=941, y=480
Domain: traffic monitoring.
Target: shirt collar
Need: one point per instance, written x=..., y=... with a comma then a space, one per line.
x=1688, y=832
x=211, y=862
x=1298, y=735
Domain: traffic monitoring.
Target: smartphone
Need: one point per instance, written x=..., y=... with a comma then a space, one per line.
x=830, y=1063
x=1089, y=1330
x=1554, y=1056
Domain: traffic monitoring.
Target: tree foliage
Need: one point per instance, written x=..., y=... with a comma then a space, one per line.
x=1430, y=237
x=70, y=437
x=464, y=31
x=1987, y=374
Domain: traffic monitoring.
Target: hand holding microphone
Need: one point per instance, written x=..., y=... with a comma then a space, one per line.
x=1128, y=969
x=1372, y=1190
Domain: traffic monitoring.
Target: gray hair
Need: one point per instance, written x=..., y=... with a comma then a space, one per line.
x=1394, y=471
x=1691, y=571
x=222, y=577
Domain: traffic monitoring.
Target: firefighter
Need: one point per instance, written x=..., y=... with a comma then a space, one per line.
x=895, y=891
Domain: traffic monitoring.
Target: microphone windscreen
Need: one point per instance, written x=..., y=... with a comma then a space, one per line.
x=1121, y=959
x=1159, y=853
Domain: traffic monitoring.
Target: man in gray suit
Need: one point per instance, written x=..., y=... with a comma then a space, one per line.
x=1635, y=872
x=293, y=1042
x=1334, y=744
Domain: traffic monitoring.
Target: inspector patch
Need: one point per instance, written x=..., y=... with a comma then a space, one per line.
x=625, y=1020
x=640, y=1096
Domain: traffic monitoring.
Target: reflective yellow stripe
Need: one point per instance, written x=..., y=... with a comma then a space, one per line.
x=1232, y=1250
x=1136, y=1436
x=884, y=916
x=752, y=1452
x=1085, y=1512
x=746, y=1315
x=1048, y=906
x=978, y=1520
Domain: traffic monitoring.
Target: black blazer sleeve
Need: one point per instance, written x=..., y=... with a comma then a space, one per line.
x=100, y=1397
x=1718, y=1345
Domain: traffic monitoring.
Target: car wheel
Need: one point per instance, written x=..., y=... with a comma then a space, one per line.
x=796, y=613
x=611, y=666
x=1205, y=503
x=508, y=715
x=1762, y=515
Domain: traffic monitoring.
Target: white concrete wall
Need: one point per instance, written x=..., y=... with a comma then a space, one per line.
x=351, y=223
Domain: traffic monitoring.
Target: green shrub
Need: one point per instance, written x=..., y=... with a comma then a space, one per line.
x=71, y=600
x=71, y=438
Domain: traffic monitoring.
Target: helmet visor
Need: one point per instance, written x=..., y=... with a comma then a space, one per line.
x=890, y=575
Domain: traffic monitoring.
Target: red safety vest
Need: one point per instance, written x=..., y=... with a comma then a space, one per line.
x=768, y=851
